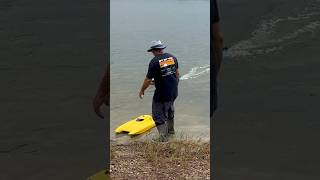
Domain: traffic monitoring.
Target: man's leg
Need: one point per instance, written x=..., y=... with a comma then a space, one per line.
x=159, y=117
x=170, y=121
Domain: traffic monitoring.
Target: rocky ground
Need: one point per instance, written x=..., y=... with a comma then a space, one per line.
x=176, y=159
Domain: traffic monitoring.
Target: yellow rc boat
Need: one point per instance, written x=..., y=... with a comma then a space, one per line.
x=137, y=126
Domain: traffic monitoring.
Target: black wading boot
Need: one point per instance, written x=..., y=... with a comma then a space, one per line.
x=163, y=133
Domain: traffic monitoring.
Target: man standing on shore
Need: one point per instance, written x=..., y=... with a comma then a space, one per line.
x=102, y=97
x=163, y=68
x=216, y=55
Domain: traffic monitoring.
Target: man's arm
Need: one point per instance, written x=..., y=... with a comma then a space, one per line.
x=177, y=69
x=145, y=85
x=178, y=74
x=217, y=38
x=103, y=93
x=217, y=45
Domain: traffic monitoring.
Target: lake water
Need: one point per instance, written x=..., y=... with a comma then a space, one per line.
x=269, y=90
x=183, y=25
x=270, y=31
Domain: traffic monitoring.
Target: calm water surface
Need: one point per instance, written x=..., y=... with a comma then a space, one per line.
x=183, y=25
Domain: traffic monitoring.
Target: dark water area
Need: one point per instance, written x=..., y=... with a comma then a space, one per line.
x=267, y=124
x=52, y=58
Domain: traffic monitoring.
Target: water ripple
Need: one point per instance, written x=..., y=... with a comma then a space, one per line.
x=270, y=35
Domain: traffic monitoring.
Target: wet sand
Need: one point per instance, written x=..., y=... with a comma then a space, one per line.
x=52, y=57
x=267, y=126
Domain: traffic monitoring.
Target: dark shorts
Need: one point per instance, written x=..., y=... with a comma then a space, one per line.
x=162, y=112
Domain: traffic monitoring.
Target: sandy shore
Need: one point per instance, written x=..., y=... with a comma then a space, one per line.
x=52, y=57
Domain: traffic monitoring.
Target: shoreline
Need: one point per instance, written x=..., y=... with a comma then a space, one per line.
x=177, y=158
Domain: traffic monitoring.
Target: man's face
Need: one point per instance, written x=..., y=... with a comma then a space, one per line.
x=156, y=52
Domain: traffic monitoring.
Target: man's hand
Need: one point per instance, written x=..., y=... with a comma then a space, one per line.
x=97, y=103
x=103, y=93
x=144, y=86
x=141, y=94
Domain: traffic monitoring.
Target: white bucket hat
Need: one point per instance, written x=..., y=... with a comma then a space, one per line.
x=156, y=45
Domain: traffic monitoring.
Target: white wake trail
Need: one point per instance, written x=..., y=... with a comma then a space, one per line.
x=196, y=72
